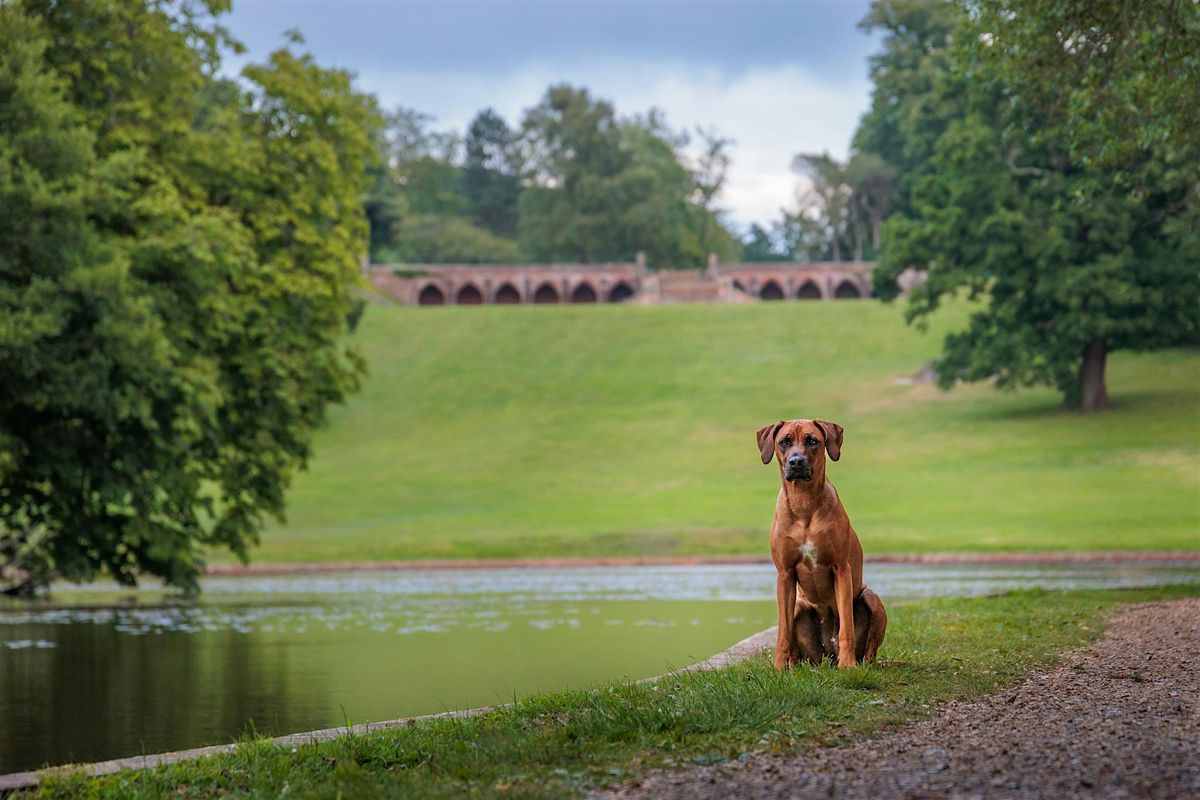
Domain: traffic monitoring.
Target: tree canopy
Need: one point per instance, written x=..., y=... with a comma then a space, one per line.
x=177, y=259
x=574, y=181
x=1030, y=185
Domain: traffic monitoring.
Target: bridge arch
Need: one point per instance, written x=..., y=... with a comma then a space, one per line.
x=620, y=293
x=431, y=295
x=808, y=291
x=771, y=291
x=846, y=290
x=583, y=293
x=507, y=295
x=546, y=293
x=469, y=295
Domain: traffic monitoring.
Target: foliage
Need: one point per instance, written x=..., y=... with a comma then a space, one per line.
x=445, y=239
x=575, y=183
x=559, y=744
x=906, y=114
x=1124, y=74
x=602, y=188
x=1076, y=253
x=492, y=173
x=760, y=244
x=829, y=195
x=711, y=171
x=840, y=211
x=177, y=256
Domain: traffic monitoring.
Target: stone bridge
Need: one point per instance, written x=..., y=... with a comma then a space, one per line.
x=508, y=284
x=833, y=280
x=513, y=284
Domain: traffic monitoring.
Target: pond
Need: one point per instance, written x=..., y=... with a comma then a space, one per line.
x=99, y=674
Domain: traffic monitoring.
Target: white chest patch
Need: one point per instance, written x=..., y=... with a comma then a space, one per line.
x=808, y=552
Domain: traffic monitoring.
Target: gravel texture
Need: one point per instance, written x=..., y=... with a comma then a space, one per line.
x=1119, y=719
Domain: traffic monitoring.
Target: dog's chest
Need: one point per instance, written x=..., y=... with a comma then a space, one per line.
x=808, y=553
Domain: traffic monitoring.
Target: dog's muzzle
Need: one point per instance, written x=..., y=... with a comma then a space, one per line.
x=798, y=469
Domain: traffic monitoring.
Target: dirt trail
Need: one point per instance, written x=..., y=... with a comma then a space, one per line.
x=1119, y=719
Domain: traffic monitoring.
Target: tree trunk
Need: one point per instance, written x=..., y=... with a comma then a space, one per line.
x=1093, y=396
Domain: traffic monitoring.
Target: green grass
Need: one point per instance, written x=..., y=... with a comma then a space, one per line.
x=606, y=430
x=557, y=744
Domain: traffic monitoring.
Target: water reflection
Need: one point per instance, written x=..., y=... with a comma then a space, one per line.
x=94, y=676
x=117, y=682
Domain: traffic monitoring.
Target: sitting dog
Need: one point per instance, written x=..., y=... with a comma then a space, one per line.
x=815, y=549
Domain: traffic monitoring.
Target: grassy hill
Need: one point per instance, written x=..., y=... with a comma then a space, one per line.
x=603, y=430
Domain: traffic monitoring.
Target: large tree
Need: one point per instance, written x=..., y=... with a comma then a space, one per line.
x=824, y=198
x=907, y=115
x=1070, y=254
x=177, y=260
x=601, y=187
x=711, y=171
x=425, y=202
x=492, y=173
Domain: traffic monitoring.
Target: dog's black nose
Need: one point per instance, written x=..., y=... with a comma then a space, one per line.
x=796, y=462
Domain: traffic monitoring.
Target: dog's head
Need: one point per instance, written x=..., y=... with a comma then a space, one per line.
x=800, y=446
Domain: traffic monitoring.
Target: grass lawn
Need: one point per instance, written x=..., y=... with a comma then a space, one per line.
x=610, y=430
x=558, y=744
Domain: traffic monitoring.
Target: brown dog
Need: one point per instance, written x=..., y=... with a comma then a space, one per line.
x=834, y=615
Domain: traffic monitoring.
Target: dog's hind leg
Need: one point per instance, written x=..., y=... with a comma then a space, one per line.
x=806, y=632
x=870, y=623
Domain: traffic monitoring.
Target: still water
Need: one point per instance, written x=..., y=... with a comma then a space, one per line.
x=97, y=675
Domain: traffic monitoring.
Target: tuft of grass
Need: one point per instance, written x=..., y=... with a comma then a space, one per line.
x=560, y=744
x=628, y=430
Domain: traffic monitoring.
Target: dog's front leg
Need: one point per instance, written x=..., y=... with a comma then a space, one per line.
x=785, y=591
x=843, y=589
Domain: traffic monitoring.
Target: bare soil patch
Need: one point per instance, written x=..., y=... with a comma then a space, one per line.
x=1119, y=719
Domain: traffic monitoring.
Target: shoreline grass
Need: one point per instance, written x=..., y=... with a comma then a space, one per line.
x=560, y=743
x=501, y=432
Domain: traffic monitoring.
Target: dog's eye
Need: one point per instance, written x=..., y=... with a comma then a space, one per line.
x=810, y=441
x=785, y=443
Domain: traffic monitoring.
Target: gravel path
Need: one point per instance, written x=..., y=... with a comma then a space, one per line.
x=1120, y=719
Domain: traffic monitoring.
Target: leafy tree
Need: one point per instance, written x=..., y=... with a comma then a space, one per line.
x=872, y=183
x=177, y=259
x=424, y=163
x=492, y=173
x=804, y=236
x=573, y=153
x=421, y=204
x=446, y=239
x=657, y=196
x=907, y=116
x=843, y=206
x=828, y=195
x=1123, y=75
x=1072, y=256
x=711, y=173
x=760, y=245
x=601, y=188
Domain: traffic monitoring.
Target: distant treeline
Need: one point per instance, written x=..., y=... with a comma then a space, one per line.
x=574, y=182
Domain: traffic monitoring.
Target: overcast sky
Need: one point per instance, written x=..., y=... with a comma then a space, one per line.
x=780, y=78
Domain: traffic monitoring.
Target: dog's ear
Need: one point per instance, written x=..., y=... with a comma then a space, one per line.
x=766, y=441
x=833, y=437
